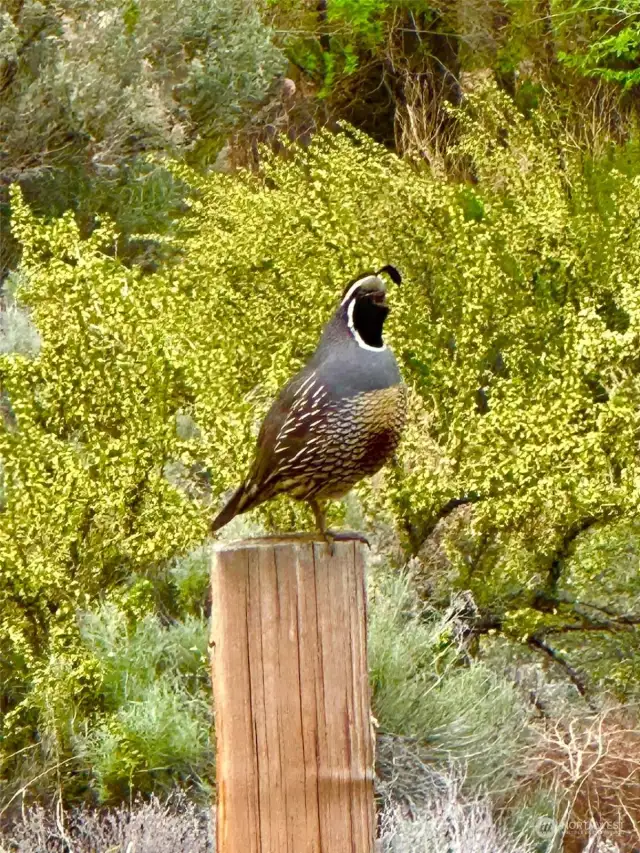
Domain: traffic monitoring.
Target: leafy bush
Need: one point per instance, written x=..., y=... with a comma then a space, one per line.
x=462, y=714
x=86, y=501
x=516, y=326
x=609, y=43
x=86, y=89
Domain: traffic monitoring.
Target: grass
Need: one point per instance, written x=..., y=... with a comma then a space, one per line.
x=155, y=826
x=449, y=822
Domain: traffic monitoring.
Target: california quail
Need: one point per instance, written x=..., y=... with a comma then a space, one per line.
x=339, y=419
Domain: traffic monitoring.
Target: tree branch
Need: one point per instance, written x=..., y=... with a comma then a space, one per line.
x=554, y=571
x=622, y=618
x=601, y=625
x=537, y=642
x=446, y=510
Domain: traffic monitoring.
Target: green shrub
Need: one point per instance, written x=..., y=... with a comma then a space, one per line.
x=125, y=76
x=516, y=327
x=464, y=715
x=88, y=88
x=608, y=46
x=152, y=727
x=334, y=39
x=189, y=576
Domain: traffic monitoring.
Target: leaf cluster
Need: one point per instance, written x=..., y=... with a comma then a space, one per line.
x=608, y=47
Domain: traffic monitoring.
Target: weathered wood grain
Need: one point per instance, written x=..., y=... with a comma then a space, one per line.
x=289, y=668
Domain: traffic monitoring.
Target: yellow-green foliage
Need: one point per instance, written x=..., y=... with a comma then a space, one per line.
x=524, y=285
x=86, y=503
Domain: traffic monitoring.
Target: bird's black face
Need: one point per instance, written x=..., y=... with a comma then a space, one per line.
x=365, y=302
x=370, y=310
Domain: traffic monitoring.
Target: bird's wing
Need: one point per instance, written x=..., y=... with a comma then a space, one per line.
x=288, y=427
x=286, y=432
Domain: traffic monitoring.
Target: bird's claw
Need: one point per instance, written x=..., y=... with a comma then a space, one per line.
x=333, y=536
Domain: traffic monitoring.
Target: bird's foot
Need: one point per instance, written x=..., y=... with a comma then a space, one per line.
x=333, y=536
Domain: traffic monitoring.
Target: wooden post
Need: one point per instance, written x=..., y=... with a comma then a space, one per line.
x=291, y=689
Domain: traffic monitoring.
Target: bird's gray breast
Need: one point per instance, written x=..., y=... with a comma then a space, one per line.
x=351, y=370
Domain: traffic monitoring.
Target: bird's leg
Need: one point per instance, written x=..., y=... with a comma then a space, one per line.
x=318, y=513
x=321, y=523
x=333, y=536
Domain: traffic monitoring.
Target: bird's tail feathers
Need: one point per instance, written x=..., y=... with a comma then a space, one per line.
x=242, y=500
x=234, y=506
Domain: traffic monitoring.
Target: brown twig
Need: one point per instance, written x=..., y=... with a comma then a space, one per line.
x=537, y=642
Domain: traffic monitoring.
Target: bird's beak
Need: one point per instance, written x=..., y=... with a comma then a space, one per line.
x=379, y=296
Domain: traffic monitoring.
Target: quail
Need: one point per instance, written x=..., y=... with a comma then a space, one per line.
x=336, y=421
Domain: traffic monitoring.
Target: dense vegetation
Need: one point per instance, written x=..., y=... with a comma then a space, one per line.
x=144, y=331
x=87, y=89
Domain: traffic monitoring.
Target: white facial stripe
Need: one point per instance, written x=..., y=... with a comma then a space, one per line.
x=356, y=284
x=355, y=334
